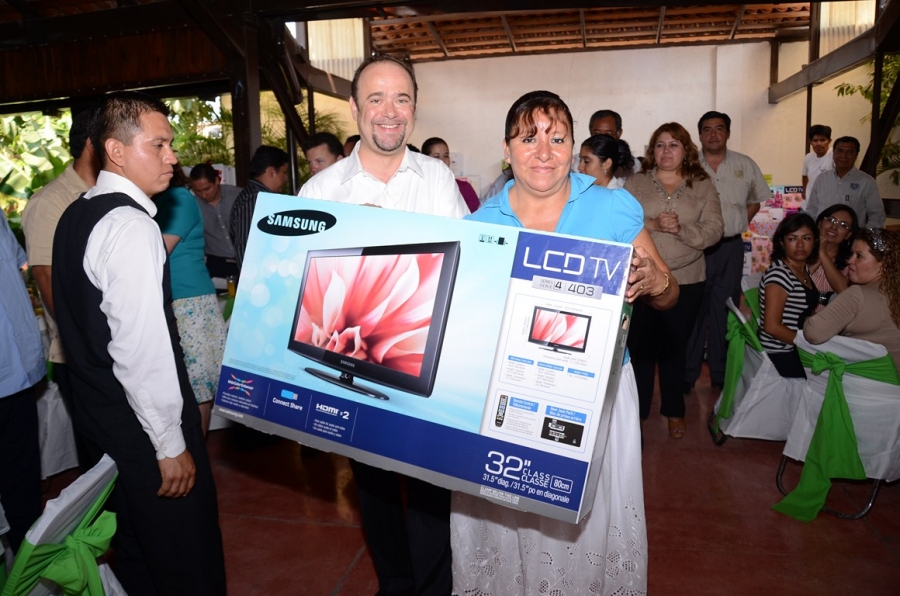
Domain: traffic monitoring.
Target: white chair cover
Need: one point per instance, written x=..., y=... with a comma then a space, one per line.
x=750, y=281
x=55, y=433
x=874, y=407
x=62, y=514
x=764, y=401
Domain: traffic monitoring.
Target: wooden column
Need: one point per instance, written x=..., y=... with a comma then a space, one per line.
x=245, y=103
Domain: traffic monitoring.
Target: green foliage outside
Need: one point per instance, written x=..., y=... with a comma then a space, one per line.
x=204, y=132
x=34, y=148
x=890, y=155
x=273, y=128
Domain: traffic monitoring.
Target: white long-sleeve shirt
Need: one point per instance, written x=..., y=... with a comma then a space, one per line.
x=124, y=259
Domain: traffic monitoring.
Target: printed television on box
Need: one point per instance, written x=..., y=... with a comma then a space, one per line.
x=331, y=319
x=559, y=330
x=376, y=313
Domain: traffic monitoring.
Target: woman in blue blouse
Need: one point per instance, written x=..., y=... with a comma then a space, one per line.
x=546, y=195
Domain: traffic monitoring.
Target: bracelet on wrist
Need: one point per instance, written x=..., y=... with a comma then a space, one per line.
x=664, y=290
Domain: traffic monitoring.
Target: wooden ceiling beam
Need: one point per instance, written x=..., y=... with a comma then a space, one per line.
x=509, y=35
x=219, y=30
x=24, y=8
x=883, y=36
x=583, y=28
x=662, y=20
x=102, y=23
x=437, y=37
x=737, y=20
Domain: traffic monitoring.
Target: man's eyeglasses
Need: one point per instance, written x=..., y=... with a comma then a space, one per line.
x=837, y=222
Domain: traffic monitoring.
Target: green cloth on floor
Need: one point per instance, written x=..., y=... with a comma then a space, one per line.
x=739, y=335
x=833, y=450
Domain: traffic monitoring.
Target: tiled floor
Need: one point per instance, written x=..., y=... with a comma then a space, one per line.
x=291, y=526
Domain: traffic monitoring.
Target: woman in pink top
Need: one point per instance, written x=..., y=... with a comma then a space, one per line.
x=437, y=148
x=837, y=225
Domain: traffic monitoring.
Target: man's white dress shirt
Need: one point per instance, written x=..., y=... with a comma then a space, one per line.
x=421, y=184
x=124, y=259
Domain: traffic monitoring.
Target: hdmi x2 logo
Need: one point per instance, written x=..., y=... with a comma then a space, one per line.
x=242, y=385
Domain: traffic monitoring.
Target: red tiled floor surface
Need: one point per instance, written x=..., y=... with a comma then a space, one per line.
x=290, y=521
x=711, y=530
x=289, y=518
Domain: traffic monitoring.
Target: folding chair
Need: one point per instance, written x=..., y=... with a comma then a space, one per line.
x=756, y=401
x=847, y=424
x=59, y=554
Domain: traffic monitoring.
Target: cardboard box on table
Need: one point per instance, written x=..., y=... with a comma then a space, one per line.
x=785, y=201
x=499, y=348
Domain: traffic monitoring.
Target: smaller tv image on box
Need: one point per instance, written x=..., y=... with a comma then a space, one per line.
x=559, y=330
x=376, y=313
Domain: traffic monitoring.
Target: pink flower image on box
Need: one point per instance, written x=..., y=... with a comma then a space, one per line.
x=376, y=308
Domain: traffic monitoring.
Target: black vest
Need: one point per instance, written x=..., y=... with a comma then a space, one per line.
x=102, y=412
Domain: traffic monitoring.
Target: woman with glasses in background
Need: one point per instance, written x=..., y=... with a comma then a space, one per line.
x=837, y=226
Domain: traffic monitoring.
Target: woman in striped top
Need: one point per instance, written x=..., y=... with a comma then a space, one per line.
x=787, y=295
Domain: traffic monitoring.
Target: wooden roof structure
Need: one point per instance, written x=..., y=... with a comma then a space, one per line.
x=454, y=36
x=65, y=53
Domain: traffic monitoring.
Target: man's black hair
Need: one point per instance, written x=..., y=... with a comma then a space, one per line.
x=335, y=147
x=821, y=130
x=266, y=157
x=711, y=115
x=606, y=114
x=80, y=131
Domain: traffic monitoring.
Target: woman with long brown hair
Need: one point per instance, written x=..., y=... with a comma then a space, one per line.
x=870, y=308
x=683, y=214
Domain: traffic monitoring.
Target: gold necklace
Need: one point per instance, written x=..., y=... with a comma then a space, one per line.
x=802, y=276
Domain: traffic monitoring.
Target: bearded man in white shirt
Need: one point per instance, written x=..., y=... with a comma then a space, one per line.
x=411, y=548
x=133, y=399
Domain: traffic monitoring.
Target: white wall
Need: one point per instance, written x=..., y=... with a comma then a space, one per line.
x=465, y=101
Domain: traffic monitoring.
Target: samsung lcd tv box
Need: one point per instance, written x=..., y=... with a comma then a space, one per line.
x=478, y=357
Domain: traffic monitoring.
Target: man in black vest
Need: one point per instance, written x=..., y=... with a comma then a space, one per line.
x=134, y=402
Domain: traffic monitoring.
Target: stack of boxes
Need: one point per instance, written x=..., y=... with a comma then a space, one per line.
x=786, y=200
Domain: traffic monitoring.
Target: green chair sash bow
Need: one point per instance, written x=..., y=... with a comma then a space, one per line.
x=739, y=335
x=751, y=299
x=72, y=564
x=833, y=450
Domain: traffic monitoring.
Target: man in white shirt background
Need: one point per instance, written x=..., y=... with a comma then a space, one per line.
x=133, y=399
x=411, y=552
x=819, y=159
x=846, y=185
